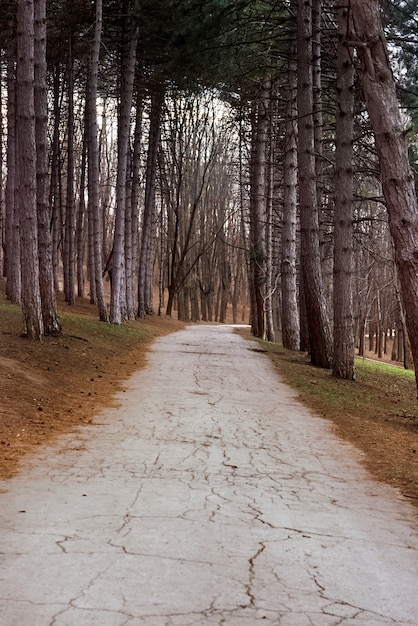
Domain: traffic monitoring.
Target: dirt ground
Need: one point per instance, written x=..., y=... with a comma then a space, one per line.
x=54, y=386
x=378, y=413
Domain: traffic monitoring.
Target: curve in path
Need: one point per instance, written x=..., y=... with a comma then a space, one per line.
x=210, y=496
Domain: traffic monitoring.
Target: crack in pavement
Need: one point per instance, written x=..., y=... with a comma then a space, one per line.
x=208, y=496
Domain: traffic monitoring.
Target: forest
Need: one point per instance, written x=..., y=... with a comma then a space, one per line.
x=205, y=158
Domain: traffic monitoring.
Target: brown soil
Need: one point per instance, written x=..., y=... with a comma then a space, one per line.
x=54, y=386
x=58, y=385
x=378, y=413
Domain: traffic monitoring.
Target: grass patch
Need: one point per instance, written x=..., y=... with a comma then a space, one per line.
x=56, y=385
x=378, y=412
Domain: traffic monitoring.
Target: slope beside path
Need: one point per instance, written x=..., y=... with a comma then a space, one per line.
x=209, y=496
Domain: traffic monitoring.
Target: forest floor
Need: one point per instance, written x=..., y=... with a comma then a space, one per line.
x=58, y=385
x=54, y=386
x=378, y=412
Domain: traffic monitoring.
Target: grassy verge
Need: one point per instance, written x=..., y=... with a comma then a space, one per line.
x=57, y=385
x=378, y=412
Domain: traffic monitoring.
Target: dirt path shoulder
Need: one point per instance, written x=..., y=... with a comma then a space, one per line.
x=52, y=387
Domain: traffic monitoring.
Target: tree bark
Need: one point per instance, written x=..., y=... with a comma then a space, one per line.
x=343, y=366
x=290, y=316
x=96, y=239
x=131, y=253
x=317, y=314
x=70, y=217
x=81, y=220
x=2, y=215
x=397, y=178
x=118, y=303
x=33, y=326
x=258, y=204
x=46, y=275
x=14, y=281
x=270, y=288
x=55, y=192
x=146, y=261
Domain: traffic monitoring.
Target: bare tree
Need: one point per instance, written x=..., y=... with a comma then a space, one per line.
x=397, y=178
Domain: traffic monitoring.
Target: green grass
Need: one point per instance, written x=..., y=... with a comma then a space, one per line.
x=364, y=365
x=378, y=385
x=378, y=412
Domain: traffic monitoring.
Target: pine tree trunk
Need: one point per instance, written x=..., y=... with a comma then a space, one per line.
x=316, y=308
x=131, y=254
x=81, y=221
x=290, y=316
x=96, y=225
x=118, y=303
x=26, y=171
x=55, y=200
x=269, y=330
x=397, y=178
x=258, y=203
x=2, y=216
x=14, y=282
x=146, y=261
x=46, y=275
x=70, y=218
x=343, y=366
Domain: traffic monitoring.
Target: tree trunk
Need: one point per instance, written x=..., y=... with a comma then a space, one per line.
x=146, y=262
x=70, y=218
x=93, y=170
x=46, y=275
x=269, y=329
x=131, y=254
x=290, y=316
x=317, y=314
x=258, y=210
x=26, y=171
x=397, y=178
x=81, y=220
x=55, y=198
x=14, y=283
x=2, y=216
x=343, y=366
x=118, y=304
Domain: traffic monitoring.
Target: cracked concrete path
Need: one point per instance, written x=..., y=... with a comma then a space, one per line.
x=211, y=496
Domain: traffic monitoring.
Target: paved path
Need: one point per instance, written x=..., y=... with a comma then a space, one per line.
x=211, y=496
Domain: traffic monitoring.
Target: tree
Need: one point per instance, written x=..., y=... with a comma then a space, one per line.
x=146, y=261
x=118, y=301
x=290, y=315
x=379, y=89
x=26, y=171
x=95, y=220
x=343, y=365
x=258, y=205
x=46, y=277
x=13, y=274
x=317, y=314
